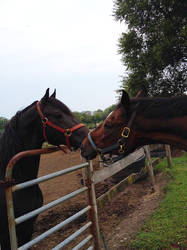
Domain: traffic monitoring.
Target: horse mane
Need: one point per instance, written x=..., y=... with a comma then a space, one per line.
x=161, y=107
x=10, y=147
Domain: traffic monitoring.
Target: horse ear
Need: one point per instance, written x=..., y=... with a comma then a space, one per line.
x=54, y=94
x=125, y=101
x=46, y=96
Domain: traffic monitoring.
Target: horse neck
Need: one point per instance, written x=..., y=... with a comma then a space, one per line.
x=20, y=136
x=168, y=129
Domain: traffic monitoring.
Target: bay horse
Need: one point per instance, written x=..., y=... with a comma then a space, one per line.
x=47, y=120
x=137, y=122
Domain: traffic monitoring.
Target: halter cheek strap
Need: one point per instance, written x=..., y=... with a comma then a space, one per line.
x=92, y=142
x=67, y=132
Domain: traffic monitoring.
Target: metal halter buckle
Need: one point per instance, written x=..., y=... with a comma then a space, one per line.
x=108, y=160
x=121, y=150
x=125, y=133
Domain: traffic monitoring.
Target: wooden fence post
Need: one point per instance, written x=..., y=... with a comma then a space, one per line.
x=168, y=155
x=100, y=162
x=149, y=165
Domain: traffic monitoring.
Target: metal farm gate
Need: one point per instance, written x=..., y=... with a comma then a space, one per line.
x=91, y=178
x=92, y=238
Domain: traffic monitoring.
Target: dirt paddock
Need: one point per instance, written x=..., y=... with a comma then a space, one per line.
x=118, y=220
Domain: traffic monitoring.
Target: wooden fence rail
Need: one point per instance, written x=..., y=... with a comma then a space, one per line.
x=107, y=172
x=104, y=173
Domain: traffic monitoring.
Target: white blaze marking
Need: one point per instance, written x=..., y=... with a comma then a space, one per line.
x=109, y=114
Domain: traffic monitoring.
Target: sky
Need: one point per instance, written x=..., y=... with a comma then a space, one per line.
x=70, y=46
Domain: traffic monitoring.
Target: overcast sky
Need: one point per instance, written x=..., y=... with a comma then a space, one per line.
x=68, y=45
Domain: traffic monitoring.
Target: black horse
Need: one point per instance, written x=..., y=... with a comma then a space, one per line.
x=49, y=120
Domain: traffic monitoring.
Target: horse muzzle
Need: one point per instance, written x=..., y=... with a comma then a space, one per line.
x=87, y=151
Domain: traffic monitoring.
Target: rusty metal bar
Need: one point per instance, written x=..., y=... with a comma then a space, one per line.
x=11, y=219
x=92, y=201
x=26, y=153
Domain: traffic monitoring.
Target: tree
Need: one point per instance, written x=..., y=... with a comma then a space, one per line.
x=108, y=110
x=91, y=119
x=154, y=49
x=3, y=122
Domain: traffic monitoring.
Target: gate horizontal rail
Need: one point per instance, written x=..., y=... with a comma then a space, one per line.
x=83, y=242
x=49, y=205
x=72, y=237
x=54, y=229
x=47, y=177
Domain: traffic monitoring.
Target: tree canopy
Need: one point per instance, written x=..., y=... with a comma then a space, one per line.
x=154, y=49
x=91, y=119
x=3, y=122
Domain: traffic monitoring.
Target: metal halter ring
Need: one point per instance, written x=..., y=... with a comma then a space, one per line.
x=44, y=120
x=125, y=133
x=68, y=132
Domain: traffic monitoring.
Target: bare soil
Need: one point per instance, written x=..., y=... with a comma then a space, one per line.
x=119, y=220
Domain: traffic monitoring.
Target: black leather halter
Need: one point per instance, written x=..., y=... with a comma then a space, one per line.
x=119, y=145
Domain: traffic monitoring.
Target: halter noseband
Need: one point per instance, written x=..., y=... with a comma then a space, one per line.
x=119, y=145
x=67, y=132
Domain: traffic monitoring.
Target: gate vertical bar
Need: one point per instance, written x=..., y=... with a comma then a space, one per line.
x=93, y=204
x=11, y=219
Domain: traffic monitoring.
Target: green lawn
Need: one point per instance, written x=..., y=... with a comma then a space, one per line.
x=167, y=228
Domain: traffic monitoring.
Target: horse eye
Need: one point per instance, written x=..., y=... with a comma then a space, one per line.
x=108, y=125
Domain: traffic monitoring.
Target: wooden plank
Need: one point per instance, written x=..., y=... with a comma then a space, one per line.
x=111, y=193
x=156, y=161
x=107, y=172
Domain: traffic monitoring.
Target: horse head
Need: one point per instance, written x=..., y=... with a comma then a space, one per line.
x=58, y=122
x=114, y=134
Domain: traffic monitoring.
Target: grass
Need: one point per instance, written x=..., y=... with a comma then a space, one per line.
x=167, y=228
